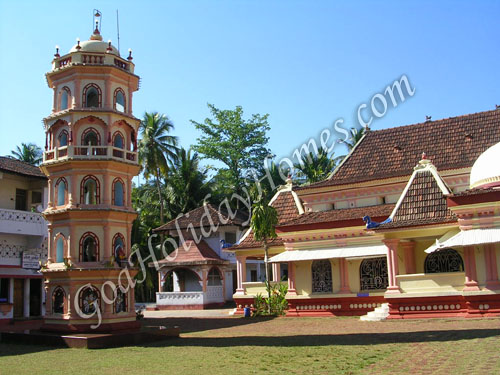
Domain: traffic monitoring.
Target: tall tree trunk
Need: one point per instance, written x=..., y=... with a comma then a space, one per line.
x=268, y=283
x=160, y=197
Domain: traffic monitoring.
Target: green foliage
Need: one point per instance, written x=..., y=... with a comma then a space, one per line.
x=356, y=135
x=237, y=143
x=276, y=304
x=157, y=150
x=314, y=168
x=263, y=221
x=186, y=185
x=29, y=153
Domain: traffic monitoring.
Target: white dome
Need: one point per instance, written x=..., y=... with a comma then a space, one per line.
x=486, y=170
x=95, y=44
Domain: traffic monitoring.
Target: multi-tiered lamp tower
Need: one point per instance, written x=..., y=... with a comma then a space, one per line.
x=90, y=159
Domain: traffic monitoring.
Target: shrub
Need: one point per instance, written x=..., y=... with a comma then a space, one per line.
x=277, y=304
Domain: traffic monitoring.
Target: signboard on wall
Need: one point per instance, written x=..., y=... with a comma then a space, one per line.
x=30, y=261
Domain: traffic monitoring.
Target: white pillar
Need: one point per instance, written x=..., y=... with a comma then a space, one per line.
x=11, y=290
x=276, y=272
x=26, y=298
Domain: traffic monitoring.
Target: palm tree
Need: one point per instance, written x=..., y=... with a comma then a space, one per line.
x=186, y=187
x=356, y=135
x=314, y=168
x=29, y=153
x=263, y=222
x=157, y=150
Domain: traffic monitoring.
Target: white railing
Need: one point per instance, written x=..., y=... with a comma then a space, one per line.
x=22, y=216
x=89, y=152
x=214, y=294
x=179, y=298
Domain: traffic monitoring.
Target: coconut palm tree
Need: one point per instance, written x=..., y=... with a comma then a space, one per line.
x=29, y=153
x=186, y=187
x=356, y=135
x=263, y=222
x=157, y=150
x=314, y=168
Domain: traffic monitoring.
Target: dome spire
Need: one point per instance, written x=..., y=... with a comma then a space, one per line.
x=96, y=16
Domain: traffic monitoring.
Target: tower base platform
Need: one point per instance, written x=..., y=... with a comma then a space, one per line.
x=143, y=335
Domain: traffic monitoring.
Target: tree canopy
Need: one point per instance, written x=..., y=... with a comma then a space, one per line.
x=29, y=153
x=239, y=144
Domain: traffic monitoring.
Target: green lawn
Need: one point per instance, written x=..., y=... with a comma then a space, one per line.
x=283, y=346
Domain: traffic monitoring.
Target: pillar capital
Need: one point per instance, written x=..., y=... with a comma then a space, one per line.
x=391, y=243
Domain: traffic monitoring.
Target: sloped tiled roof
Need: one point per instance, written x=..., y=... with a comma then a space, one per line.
x=450, y=143
x=198, y=218
x=287, y=209
x=424, y=203
x=343, y=215
x=196, y=254
x=11, y=165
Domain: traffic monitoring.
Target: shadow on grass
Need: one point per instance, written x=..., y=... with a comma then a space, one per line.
x=327, y=340
x=190, y=325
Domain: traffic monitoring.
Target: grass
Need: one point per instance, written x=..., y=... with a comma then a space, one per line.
x=282, y=346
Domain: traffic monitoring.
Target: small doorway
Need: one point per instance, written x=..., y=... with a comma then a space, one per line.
x=35, y=297
x=18, y=298
x=235, y=280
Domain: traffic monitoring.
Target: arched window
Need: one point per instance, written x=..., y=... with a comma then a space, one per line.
x=119, y=252
x=89, y=300
x=61, y=189
x=90, y=191
x=119, y=100
x=118, y=141
x=63, y=138
x=322, y=276
x=214, y=277
x=446, y=260
x=373, y=274
x=91, y=137
x=60, y=249
x=58, y=300
x=92, y=96
x=120, y=301
x=65, y=97
x=118, y=192
x=89, y=248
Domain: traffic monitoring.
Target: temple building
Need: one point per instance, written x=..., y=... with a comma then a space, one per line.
x=90, y=158
x=198, y=274
x=406, y=226
x=23, y=240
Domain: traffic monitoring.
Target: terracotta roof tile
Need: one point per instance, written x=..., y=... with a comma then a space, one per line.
x=285, y=206
x=423, y=203
x=11, y=165
x=450, y=143
x=341, y=215
x=198, y=218
x=287, y=209
x=199, y=253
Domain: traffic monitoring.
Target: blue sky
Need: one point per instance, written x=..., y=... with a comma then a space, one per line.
x=306, y=63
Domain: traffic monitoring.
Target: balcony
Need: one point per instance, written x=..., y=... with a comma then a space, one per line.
x=86, y=58
x=89, y=153
x=22, y=222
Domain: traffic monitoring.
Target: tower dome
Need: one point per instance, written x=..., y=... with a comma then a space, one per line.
x=95, y=44
x=486, y=170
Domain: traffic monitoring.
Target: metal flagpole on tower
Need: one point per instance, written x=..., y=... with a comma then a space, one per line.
x=118, y=31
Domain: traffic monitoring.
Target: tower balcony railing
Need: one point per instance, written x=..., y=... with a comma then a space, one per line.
x=89, y=153
x=92, y=58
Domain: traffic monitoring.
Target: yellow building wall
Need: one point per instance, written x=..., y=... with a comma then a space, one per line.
x=353, y=273
x=480, y=265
